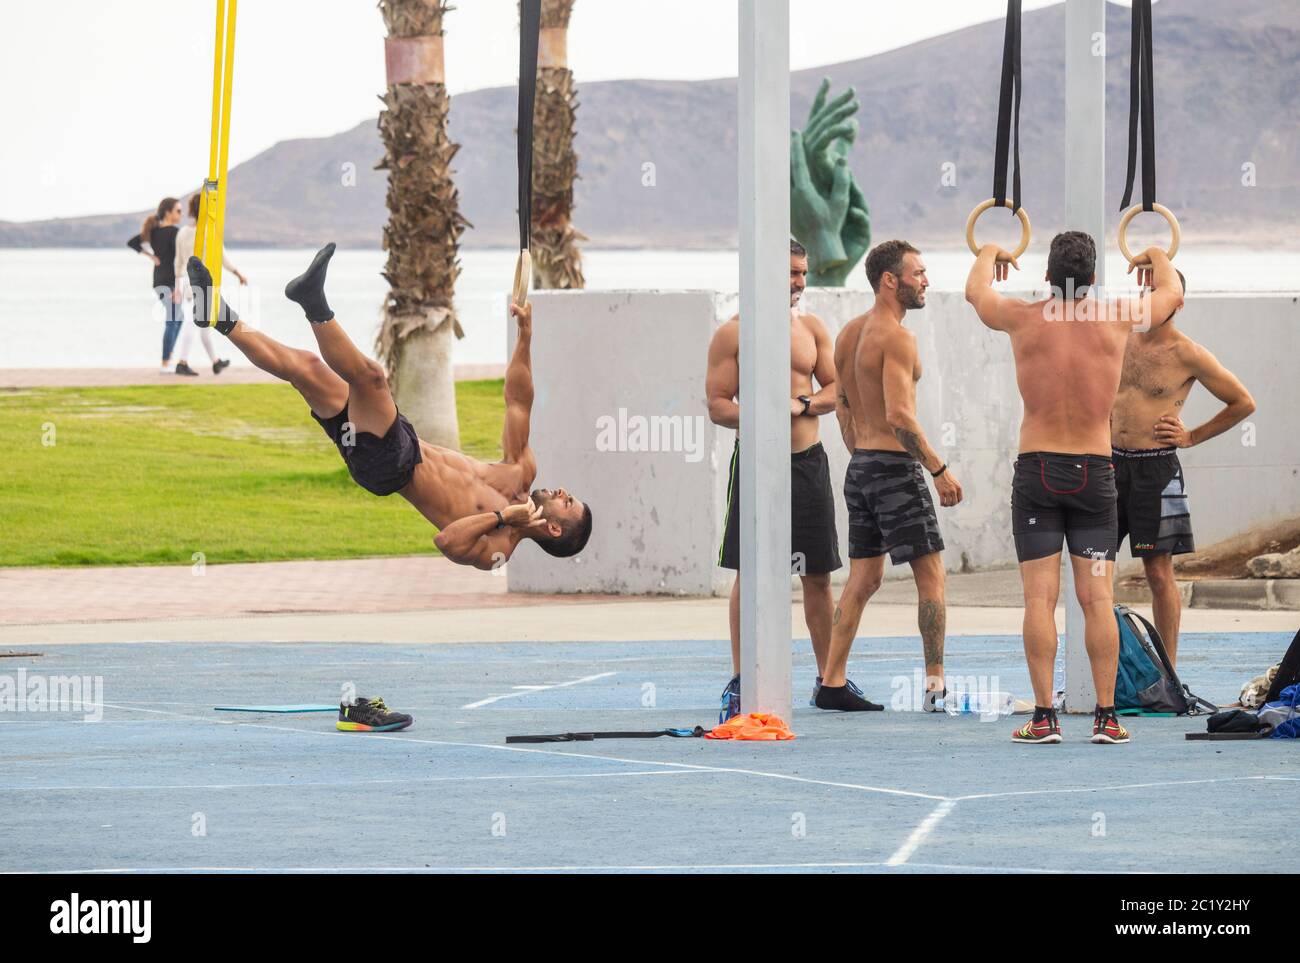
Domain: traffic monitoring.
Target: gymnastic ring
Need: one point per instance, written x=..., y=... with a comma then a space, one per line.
x=523, y=278
x=1025, y=231
x=1164, y=212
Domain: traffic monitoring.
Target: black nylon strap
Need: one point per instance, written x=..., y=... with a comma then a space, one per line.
x=1141, y=107
x=1009, y=111
x=696, y=732
x=530, y=27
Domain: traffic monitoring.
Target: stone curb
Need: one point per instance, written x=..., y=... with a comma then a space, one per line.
x=1222, y=593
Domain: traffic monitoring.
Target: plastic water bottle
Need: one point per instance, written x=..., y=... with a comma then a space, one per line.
x=979, y=703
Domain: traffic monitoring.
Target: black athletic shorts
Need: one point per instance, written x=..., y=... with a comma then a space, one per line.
x=890, y=508
x=379, y=465
x=1055, y=495
x=1153, y=510
x=814, y=544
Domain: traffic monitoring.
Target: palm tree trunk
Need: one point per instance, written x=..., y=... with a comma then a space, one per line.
x=557, y=262
x=422, y=236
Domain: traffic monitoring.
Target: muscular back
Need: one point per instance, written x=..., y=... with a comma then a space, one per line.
x=1068, y=370
x=860, y=359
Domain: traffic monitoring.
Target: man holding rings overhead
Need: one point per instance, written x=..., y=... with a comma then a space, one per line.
x=1069, y=349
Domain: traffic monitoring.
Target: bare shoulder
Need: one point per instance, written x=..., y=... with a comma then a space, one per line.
x=850, y=331
x=1193, y=356
x=814, y=324
x=898, y=338
x=727, y=335
x=1187, y=350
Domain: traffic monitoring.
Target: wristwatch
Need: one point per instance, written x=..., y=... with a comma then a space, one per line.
x=807, y=403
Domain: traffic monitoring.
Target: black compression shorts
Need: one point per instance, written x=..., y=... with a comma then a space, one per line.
x=1056, y=496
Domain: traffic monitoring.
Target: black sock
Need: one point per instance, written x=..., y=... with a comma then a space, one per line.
x=1105, y=710
x=1043, y=712
x=843, y=698
x=201, y=282
x=308, y=288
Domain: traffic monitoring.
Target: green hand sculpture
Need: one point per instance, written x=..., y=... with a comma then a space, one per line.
x=828, y=212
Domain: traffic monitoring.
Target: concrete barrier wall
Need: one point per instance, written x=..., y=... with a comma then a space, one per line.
x=620, y=374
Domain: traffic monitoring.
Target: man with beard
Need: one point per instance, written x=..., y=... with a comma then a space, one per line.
x=890, y=509
x=484, y=511
x=813, y=540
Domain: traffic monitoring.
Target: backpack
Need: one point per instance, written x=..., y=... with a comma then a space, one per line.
x=1144, y=679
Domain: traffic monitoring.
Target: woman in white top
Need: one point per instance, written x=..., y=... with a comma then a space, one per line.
x=185, y=248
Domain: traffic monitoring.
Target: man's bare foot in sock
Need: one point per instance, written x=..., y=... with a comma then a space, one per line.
x=308, y=288
x=201, y=282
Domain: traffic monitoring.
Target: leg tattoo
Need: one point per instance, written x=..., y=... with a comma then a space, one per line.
x=932, y=618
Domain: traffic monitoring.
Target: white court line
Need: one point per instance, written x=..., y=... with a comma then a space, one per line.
x=360, y=782
x=962, y=868
x=636, y=867
x=900, y=858
x=551, y=752
x=1132, y=785
x=919, y=834
x=558, y=685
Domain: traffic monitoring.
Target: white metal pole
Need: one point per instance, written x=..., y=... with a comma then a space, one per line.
x=764, y=178
x=1085, y=210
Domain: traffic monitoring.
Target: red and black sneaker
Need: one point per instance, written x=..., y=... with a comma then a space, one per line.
x=1041, y=732
x=1106, y=728
x=370, y=715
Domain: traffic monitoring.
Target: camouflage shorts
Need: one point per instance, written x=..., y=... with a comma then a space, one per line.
x=890, y=509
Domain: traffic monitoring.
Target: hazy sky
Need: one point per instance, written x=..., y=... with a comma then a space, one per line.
x=106, y=105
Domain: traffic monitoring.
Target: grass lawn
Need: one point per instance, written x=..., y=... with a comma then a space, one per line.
x=155, y=474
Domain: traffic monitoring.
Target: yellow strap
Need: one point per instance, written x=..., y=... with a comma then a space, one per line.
x=210, y=232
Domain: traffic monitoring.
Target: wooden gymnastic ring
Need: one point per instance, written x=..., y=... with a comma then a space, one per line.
x=1025, y=230
x=523, y=278
x=1164, y=212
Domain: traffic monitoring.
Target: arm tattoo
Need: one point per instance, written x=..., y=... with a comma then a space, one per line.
x=932, y=618
x=911, y=443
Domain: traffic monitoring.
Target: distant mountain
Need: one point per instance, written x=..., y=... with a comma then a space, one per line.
x=1227, y=93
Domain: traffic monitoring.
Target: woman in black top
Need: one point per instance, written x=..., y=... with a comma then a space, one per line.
x=157, y=241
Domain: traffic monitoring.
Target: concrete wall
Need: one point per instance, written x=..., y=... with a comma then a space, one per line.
x=658, y=514
x=1248, y=477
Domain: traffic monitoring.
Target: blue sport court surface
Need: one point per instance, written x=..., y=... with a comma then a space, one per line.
x=163, y=782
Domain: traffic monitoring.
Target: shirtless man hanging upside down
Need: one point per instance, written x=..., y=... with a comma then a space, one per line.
x=483, y=511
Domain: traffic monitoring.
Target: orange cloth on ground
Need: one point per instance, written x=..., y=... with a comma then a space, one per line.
x=759, y=726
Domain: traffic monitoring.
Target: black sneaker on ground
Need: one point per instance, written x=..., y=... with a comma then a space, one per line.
x=370, y=715
x=183, y=369
x=220, y=365
x=845, y=698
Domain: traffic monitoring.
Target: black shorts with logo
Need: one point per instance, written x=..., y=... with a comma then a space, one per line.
x=379, y=465
x=814, y=543
x=1056, y=496
x=1153, y=509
